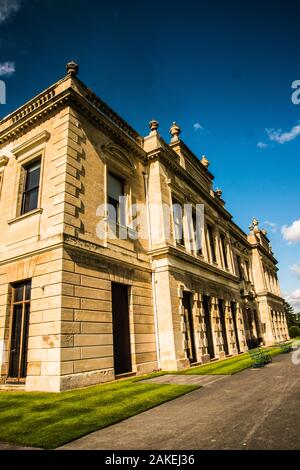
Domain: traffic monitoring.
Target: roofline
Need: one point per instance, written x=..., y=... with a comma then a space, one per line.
x=91, y=97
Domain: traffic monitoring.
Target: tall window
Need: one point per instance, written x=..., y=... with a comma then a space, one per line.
x=178, y=222
x=247, y=270
x=19, y=330
x=197, y=235
x=116, y=199
x=239, y=266
x=224, y=251
x=211, y=243
x=31, y=187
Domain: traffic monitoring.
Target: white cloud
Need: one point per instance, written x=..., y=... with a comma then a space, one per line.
x=291, y=233
x=294, y=299
x=296, y=269
x=283, y=137
x=7, y=68
x=272, y=225
x=197, y=126
x=261, y=145
x=8, y=8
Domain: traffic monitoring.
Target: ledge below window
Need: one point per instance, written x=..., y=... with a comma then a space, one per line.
x=25, y=216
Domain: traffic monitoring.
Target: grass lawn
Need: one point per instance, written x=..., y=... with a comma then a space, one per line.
x=49, y=420
x=228, y=366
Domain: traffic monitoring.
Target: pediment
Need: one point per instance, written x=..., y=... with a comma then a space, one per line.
x=119, y=156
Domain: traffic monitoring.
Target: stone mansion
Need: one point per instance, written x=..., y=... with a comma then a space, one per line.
x=81, y=305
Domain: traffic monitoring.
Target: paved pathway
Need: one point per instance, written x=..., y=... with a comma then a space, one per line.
x=4, y=446
x=255, y=409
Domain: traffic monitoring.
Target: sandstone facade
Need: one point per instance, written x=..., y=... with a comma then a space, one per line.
x=59, y=259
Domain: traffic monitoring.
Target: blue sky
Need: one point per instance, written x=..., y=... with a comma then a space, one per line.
x=222, y=69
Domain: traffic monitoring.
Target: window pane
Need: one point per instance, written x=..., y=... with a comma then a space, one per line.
x=30, y=200
x=223, y=245
x=116, y=199
x=31, y=189
x=27, y=290
x=198, y=234
x=112, y=209
x=178, y=222
x=15, y=341
x=33, y=176
x=18, y=292
x=239, y=267
x=115, y=187
x=25, y=341
x=212, y=243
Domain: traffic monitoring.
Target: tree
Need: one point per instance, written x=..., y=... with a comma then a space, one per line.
x=294, y=331
x=297, y=315
x=293, y=319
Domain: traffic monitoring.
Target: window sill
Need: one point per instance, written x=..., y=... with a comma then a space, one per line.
x=25, y=216
x=121, y=232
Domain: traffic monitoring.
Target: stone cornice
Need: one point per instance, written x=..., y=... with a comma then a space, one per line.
x=266, y=253
x=69, y=92
x=177, y=253
x=195, y=161
x=33, y=142
x=92, y=249
x=270, y=296
x=28, y=108
x=106, y=110
x=29, y=115
x=166, y=155
x=235, y=231
x=104, y=123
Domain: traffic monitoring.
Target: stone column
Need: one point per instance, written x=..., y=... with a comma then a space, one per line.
x=276, y=326
x=197, y=319
x=216, y=235
x=241, y=327
x=286, y=328
x=183, y=330
x=230, y=329
x=216, y=329
x=203, y=341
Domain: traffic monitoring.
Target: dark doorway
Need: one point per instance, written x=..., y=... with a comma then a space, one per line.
x=189, y=324
x=223, y=325
x=233, y=313
x=257, y=326
x=252, y=342
x=17, y=369
x=121, y=332
x=209, y=336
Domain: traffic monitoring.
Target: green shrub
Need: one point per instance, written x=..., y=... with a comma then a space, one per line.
x=294, y=331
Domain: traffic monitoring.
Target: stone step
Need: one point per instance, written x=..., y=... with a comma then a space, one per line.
x=12, y=388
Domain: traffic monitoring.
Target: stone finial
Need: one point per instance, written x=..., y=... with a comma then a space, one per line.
x=175, y=132
x=218, y=193
x=264, y=232
x=204, y=161
x=255, y=223
x=153, y=124
x=72, y=68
